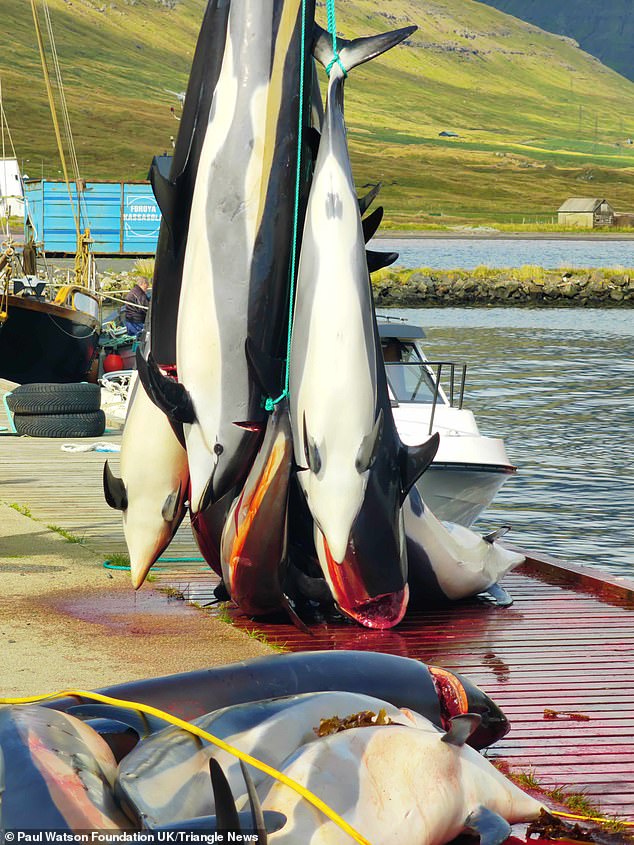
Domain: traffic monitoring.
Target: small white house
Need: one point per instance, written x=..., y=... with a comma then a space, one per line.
x=11, y=193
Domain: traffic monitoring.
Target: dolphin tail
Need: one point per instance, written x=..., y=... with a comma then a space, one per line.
x=166, y=393
x=360, y=50
x=414, y=462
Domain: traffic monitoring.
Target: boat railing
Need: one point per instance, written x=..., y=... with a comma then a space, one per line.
x=425, y=383
x=454, y=388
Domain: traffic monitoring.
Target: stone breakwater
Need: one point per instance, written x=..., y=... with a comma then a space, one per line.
x=530, y=286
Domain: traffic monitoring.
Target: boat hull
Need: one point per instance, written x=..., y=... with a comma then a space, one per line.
x=457, y=492
x=44, y=342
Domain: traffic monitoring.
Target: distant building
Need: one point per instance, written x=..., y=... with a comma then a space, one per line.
x=11, y=195
x=586, y=213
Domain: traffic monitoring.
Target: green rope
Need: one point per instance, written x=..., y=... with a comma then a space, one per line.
x=332, y=29
x=271, y=403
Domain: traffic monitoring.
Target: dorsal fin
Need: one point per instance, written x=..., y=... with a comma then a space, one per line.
x=461, y=729
x=226, y=812
x=166, y=393
x=379, y=260
x=371, y=223
x=366, y=201
x=414, y=462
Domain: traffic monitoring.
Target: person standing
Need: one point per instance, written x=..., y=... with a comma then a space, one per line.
x=136, y=307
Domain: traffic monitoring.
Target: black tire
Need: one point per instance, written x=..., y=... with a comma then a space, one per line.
x=61, y=425
x=55, y=399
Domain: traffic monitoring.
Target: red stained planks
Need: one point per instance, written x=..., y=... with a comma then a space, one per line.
x=567, y=644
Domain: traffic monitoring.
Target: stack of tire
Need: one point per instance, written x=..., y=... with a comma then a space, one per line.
x=57, y=410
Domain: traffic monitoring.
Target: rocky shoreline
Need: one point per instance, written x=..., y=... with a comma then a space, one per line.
x=528, y=286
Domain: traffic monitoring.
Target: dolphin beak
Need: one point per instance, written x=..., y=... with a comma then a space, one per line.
x=139, y=571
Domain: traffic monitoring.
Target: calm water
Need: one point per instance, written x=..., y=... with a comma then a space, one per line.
x=467, y=253
x=558, y=386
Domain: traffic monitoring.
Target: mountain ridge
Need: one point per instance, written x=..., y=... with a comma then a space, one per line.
x=536, y=119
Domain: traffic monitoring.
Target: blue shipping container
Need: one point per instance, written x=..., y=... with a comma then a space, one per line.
x=123, y=217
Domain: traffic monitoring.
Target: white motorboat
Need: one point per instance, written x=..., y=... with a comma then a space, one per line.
x=469, y=468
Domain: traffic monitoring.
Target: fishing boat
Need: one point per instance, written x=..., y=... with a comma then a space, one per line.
x=469, y=469
x=47, y=334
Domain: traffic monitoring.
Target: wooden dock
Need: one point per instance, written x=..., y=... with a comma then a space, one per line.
x=565, y=646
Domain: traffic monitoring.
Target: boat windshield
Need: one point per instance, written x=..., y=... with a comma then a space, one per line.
x=409, y=377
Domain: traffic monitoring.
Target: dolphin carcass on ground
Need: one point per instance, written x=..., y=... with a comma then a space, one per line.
x=450, y=562
x=411, y=785
x=239, y=243
x=154, y=483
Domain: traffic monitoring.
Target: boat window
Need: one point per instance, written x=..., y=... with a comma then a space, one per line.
x=87, y=304
x=411, y=382
x=395, y=350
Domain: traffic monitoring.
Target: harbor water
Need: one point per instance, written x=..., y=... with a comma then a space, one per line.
x=558, y=386
x=468, y=253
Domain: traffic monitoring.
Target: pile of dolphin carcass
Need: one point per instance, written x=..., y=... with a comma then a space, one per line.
x=314, y=501
x=388, y=744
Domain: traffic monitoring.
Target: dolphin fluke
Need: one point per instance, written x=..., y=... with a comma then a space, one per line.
x=414, y=462
x=114, y=489
x=360, y=50
x=379, y=260
x=166, y=393
x=366, y=201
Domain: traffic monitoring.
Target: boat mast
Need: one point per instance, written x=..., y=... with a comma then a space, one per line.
x=84, y=264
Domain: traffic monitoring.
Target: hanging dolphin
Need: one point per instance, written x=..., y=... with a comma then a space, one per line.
x=333, y=377
x=153, y=487
x=254, y=540
x=450, y=562
x=166, y=777
x=59, y=774
x=399, y=784
x=239, y=242
x=174, y=192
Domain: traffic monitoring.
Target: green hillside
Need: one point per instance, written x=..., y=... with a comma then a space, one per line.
x=538, y=119
x=604, y=29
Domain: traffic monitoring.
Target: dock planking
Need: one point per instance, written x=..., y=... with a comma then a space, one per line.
x=566, y=645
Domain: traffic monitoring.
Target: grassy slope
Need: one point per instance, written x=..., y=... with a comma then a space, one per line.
x=525, y=104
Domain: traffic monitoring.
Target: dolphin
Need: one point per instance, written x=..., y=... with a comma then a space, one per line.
x=335, y=421
x=152, y=490
x=450, y=562
x=254, y=540
x=399, y=784
x=239, y=244
x=165, y=778
x=59, y=774
x=437, y=694
x=174, y=192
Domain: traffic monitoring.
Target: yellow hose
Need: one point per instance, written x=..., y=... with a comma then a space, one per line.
x=219, y=743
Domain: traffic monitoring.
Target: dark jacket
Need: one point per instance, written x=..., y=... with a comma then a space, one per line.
x=134, y=298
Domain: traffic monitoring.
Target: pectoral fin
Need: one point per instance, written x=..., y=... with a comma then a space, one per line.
x=171, y=505
x=489, y=826
x=226, y=812
x=368, y=449
x=461, y=729
x=497, y=535
x=414, y=462
x=498, y=596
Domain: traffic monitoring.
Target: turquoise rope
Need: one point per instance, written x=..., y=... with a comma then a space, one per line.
x=12, y=427
x=271, y=403
x=332, y=29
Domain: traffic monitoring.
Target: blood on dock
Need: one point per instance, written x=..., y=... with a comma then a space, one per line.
x=565, y=646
